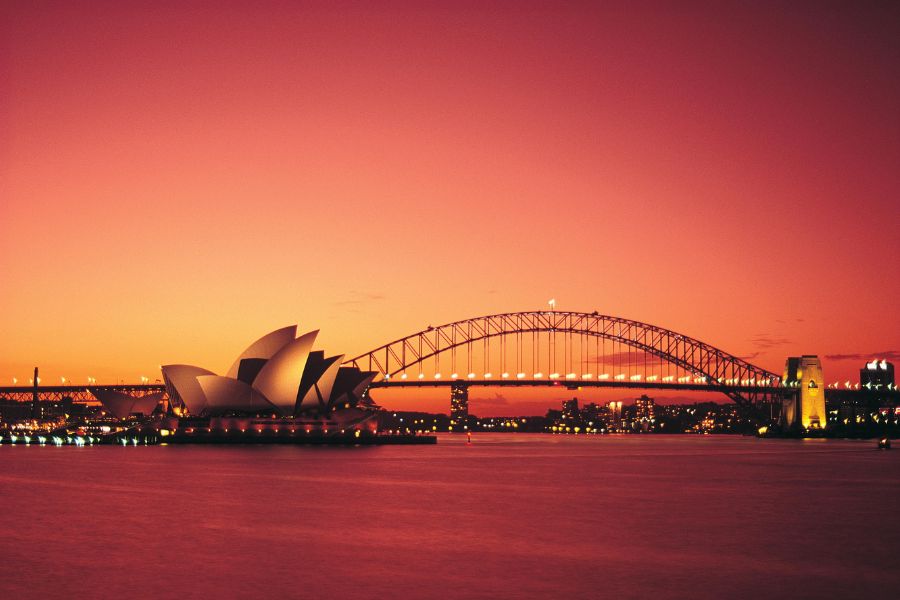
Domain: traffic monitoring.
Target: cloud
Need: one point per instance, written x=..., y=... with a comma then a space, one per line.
x=750, y=356
x=765, y=341
x=636, y=357
x=497, y=400
x=886, y=355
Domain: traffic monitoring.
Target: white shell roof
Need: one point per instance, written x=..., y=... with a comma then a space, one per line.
x=265, y=347
x=279, y=379
x=183, y=378
x=225, y=394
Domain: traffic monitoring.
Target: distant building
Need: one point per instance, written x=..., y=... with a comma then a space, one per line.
x=644, y=408
x=877, y=374
x=570, y=410
x=644, y=413
x=615, y=415
x=459, y=408
x=591, y=413
x=12, y=411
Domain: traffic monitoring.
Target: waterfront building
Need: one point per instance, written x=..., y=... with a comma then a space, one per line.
x=12, y=411
x=278, y=377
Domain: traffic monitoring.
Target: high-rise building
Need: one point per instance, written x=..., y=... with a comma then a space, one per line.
x=459, y=407
x=615, y=415
x=644, y=408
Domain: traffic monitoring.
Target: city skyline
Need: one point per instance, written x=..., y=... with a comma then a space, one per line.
x=175, y=180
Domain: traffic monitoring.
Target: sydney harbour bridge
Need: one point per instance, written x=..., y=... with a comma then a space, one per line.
x=536, y=349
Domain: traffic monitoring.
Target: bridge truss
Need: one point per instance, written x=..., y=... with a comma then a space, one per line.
x=57, y=393
x=569, y=347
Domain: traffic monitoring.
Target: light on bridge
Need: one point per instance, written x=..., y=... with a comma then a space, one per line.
x=520, y=375
x=454, y=376
x=603, y=376
x=570, y=375
x=538, y=375
x=635, y=377
x=554, y=375
x=587, y=376
x=505, y=376
x=437, y=375
x=488, y=375
x=471, y=376
x=421, y=375
x=620, y=376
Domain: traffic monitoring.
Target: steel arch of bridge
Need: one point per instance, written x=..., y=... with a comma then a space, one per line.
x=722, y=371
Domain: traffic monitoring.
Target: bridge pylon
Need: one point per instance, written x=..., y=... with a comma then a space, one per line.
x=804, y=406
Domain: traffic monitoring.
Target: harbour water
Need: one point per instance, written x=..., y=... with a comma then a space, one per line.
x=511, y=516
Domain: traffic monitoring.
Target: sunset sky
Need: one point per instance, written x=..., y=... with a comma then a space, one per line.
x=178, y=178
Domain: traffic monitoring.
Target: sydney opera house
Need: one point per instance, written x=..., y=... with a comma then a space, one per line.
x=278, y=384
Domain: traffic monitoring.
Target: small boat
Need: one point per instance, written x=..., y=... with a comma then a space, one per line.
x=884, y=443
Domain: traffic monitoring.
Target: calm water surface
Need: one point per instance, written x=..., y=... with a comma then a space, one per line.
x=514, y=516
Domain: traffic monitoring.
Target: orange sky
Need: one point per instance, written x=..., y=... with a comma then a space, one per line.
x=179, y=178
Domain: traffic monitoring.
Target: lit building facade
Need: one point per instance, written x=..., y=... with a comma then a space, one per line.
x=615, y=415
x=806, y=408
x=644, y=413
x=644, y=408
x=459, y=407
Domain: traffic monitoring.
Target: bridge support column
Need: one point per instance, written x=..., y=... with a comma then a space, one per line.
x=459, y=407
